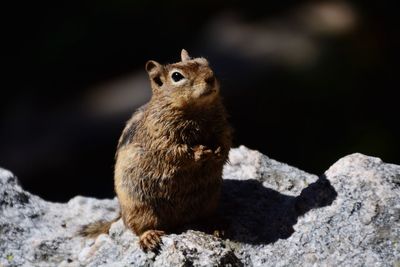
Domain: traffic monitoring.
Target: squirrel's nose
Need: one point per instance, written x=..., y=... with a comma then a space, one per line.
x=210, y=79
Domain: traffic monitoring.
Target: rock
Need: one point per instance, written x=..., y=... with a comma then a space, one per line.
x=273, y=214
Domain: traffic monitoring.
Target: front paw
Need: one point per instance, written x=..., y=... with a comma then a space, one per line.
x=202, y=153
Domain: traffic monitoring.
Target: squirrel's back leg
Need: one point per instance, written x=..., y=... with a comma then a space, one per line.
x=143, y=222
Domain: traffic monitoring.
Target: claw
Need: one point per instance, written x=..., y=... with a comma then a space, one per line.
x=219, y=233
x=150, y=240
x=217, y=152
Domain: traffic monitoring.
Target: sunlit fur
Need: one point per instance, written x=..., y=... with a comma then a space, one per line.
x=171, y=153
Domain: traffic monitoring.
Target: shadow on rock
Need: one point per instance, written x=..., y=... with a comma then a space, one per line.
x=259, y=215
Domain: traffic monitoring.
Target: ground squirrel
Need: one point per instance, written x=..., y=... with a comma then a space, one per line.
x=170, y=155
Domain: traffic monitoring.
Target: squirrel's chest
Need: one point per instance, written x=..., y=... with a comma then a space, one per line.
x=198, y=134
x=166, y=140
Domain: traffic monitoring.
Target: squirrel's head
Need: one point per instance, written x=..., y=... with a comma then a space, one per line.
x=190, y=82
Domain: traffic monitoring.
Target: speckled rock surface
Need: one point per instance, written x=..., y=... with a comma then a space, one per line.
x=274, y=215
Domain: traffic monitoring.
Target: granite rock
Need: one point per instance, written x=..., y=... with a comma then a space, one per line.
x=273, y=214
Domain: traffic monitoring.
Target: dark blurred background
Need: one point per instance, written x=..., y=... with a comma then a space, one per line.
x=305, y=82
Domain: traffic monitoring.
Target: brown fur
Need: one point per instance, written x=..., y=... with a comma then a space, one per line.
x=171, y=153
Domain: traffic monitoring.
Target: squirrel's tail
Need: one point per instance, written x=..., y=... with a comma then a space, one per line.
x=94, y=229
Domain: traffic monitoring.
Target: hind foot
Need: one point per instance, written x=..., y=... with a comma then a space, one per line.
x=150, y=240
x=215, y=225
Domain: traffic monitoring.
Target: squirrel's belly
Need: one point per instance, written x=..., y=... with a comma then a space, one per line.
x=174, y=193
x=181, y=197
x=186, y=198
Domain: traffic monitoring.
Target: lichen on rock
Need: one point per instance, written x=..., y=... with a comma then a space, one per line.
x=275, y=214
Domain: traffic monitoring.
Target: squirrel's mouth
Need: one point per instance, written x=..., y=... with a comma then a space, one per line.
x=207, y=91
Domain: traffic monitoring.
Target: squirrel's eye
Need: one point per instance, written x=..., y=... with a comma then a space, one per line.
x=176, y=76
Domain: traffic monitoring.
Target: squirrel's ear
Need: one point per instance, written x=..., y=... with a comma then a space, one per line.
x=154, y=69
x=184, y=55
